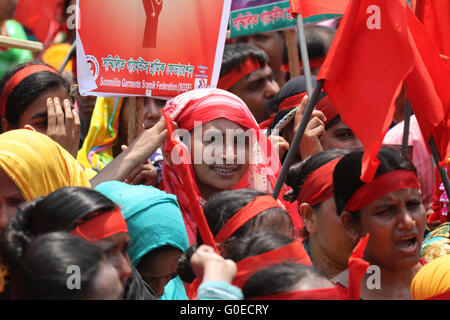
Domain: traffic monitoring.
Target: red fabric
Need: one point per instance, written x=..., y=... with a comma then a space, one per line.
x=38, y=16
x=232, y=77
x=205, y=105
x=102, y=226
x=314, y=63
x=364, y=70
x=357, y=268
x=435, y=16
x=328, y=109
x=17, y=78
x=381, y=185
x=309, y=8
x=316, y=294
x=442, y=296
x=266, y=123
x=293, y=252
x=318, y=186
x=248, y=212
x=292, y=101
x=427, y=86
x=437, y=192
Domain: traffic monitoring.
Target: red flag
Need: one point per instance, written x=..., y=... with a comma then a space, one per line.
x=40, y=16
x=435, y=16
x=427, y=86
x=308, y=8
x=365, y=68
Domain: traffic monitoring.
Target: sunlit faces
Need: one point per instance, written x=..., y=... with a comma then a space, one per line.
x=396, y=223
x=115, y=248
x=340, y=136
x=36, y=113
x=10, y=199
x=255, y=89
x=106, y=285
x=159, y=266
x=220, y=154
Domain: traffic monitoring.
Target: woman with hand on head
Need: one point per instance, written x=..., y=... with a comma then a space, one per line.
x=390, y=210
x=36, y=95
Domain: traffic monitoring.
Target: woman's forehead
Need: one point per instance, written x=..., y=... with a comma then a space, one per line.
x=221, y=124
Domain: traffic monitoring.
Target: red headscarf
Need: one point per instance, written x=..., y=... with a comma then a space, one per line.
x=205, y=105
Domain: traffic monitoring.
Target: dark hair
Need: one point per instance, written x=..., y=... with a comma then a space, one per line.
x=300, y=171
x=235, y=54
x=279, y=278
x=29, y=89
x=218, y=210
x=39, y=267
x=58, y=211
x=255, y=244
x=318, y=40
x=346, y=175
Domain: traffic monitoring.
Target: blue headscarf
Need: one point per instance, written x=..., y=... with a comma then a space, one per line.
x=154, y=220
x=153, y=217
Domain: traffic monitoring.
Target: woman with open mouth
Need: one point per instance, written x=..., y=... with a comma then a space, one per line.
x=390, y=210
x=222, y=147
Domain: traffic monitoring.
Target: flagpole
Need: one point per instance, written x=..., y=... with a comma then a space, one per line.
x=437, y=159
x=407, y=119
x=304, y=54
x=68, y=57
x=297, y=138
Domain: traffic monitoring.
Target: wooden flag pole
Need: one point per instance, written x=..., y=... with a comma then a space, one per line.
x=9, y=42
x=437, y=159
x=290, y=36
x=297, y=138
x=304, y=54
x=135, y=118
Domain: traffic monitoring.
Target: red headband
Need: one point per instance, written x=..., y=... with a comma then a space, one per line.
x=327, y=108
x=17, y=78
x=251, y=210
x=317, y=294
x=318, y=186
x=102, y=226
x=384, y=184
x=231, y=78
x=441, y=296
x=313, y=64
x=293, y=252
x=291, y=102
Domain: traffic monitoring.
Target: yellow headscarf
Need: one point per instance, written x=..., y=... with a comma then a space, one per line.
x=97, y=149
x=55, y=55
x=37, y=164
x=433, y=279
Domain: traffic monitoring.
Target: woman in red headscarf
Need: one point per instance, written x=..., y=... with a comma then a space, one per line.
x=218, y=146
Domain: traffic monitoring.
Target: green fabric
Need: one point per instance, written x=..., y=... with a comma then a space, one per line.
x=13, y=56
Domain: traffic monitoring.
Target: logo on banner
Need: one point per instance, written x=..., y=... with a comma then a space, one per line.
x=200, y=83
x=94, y=67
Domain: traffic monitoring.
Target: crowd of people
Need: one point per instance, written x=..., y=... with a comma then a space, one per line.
x=84, y=214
